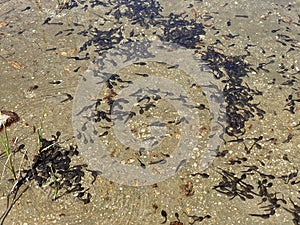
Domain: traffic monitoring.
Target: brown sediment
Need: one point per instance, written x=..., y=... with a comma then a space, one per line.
x=12, y=117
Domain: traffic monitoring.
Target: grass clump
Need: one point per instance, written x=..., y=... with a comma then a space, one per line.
x=5, y=146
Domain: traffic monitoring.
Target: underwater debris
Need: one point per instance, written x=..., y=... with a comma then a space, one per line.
x=7, y=118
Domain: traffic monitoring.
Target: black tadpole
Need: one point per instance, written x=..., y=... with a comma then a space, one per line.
x=182, y=163
x=142, y=164
x=264, y=216
x=165, y=215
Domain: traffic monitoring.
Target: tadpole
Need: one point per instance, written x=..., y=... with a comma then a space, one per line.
x=165, y=215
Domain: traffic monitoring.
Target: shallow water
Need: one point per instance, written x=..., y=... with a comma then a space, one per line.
x=251, y=51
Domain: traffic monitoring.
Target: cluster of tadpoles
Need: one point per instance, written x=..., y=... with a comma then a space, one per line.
x=145, y=102
x=291, y=103
x=234, y=186
x=178, y=222
x=53, y=164
x=238, y=95
x=237, y=186
x=52, y=167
